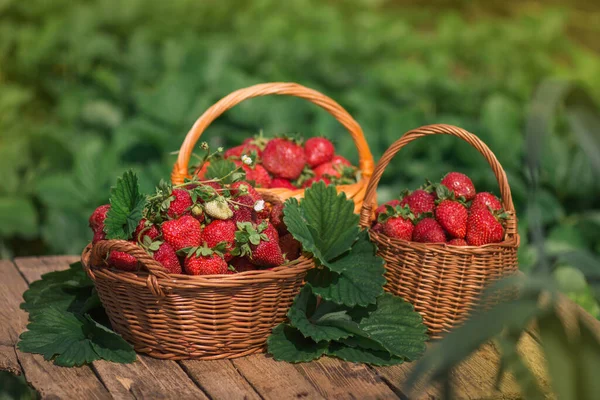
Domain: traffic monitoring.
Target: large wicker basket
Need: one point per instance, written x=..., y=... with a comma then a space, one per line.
x=355, y=191
x=180, y=317
x=443, y=282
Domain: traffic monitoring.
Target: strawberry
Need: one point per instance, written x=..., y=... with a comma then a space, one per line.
x=201, y=171
x=205, y=265
x=284, y=158
x=483, y=227
x=218, y=208
x=460, y=184
x=198, y=212
x=146, y=229
x=312, y=180
x=276, y=218
x=290, y=247
x=242, y=187
x=267, y=253
x=452, y=216
x=98, y=236
x=419, y=202
x=318, y=150
x=332, y=168
x=122, y=261
x=238, y=151
x=458, y=242
x=282, y=183
x=97, y=218
x=256, y=173
x=168, y=258
x=485, y=200
x=378, y=227
x=428, y=230
x=382, y=208
x=398, y=228
x=243, y=209
x=217, y=232
x=182, y=232
x=181, y=204
x=241, y=264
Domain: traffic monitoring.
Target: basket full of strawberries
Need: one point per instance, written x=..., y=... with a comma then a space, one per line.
x=284, y=166
x=444, y=242
x=201, y=269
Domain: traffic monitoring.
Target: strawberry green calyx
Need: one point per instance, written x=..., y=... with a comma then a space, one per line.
x=397, y=211
x=249, y=234
x=443, y=193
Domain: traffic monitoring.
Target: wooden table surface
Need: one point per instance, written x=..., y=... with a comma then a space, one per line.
x=252, y=377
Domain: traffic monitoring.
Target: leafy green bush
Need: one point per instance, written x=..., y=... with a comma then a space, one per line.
x=91, y=88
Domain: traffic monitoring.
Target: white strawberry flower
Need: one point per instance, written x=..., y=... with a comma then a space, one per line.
x=246, y=159
x=259, y=205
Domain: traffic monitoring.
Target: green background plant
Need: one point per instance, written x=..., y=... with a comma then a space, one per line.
x=91, y=88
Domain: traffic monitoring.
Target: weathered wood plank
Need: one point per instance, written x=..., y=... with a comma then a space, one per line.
x=145, y=378
x=219, y=379
x=275, y=379
x=14, y=320
x=337, y=379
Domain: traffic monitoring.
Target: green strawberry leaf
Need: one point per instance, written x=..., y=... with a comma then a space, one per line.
x=286, y=343
x=396, y=326
x=362, y=355
x=324, y=223
x=108, y=345
x=126, y=206
x=318, y=329
x=361, y=281
x=225, y=171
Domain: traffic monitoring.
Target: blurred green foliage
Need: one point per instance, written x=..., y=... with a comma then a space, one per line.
x=91, y=88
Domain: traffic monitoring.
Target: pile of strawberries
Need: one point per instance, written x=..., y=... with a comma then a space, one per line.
x=283, y=162
x=204, y=228
x=447, y=212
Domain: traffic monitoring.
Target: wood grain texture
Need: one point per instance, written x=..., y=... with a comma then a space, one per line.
x=275, y=380
x=337, y=379
x=14, y=320
x=219, y=379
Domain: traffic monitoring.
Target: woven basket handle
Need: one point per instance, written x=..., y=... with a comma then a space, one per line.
x=155, y=269
x=366, y=163
x=439, y=129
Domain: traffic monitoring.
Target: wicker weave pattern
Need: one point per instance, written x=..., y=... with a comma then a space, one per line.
x=355, y=191
x=183, y=317
x=443, y=282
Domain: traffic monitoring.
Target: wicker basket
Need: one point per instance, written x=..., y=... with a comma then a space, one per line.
x=180, y=317
x=443, y=282
x=354, y=191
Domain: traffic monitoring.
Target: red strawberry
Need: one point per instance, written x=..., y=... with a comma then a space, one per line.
x=242, y=187
x=246, y=148
x=201, y=171
x=98, y=216
x=150, y=230
x=168, y=258
x=378, y=227
x=205, y=265
x=181, y=204
x=284, y=158
x=332, y=168
x=460, y=184
x=243, y=209
x=220, y=231
x=98, y=236
x=452, y=216
x=267, y=253
x=381, y=208
x=483, y=227
x=182, y=232
x=256, y=173
x=215, y=185
x=419, y=202
x=276, y=218
x=263, y=214
x=318, y=150
x=429, y=231
x=282, y=183
x=458, y=242
x=312, y=180
x=485, y=200
x=241, y=264
x=122, y=261
x=290, y=247
x=398, y=227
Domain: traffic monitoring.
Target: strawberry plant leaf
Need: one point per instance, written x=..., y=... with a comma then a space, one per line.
x=286, y=343
x=324, y=223
x=360, y=282
x=108, y=345
x=362, y=355
x=316, y=329
x=223, y=170
x=397, y=327
x=126, y=206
